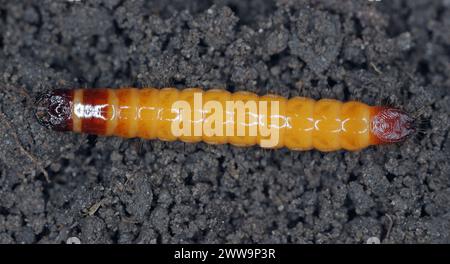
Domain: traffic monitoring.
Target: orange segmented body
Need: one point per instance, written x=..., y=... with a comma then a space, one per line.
x=300, y=123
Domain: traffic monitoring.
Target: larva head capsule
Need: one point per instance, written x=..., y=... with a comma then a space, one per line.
x=391, y=125
x=54, y=109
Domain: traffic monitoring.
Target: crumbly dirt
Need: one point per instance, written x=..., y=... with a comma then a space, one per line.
x=113, y=190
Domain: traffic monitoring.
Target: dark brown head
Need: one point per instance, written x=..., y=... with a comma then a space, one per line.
x=391, y=125
x=54, y=109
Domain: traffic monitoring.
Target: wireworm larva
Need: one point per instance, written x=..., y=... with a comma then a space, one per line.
x=218, y=117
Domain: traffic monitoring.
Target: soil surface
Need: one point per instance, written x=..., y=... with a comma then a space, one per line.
x=113, y=190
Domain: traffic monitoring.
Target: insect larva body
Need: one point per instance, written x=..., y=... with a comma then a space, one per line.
x=241, y=118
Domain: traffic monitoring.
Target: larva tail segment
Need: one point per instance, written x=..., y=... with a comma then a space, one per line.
x=54, y=109
x=391, y=125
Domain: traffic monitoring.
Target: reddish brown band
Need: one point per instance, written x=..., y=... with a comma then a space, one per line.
x=95, y=103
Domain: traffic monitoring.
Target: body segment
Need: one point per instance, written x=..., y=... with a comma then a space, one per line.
x=216, y=117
